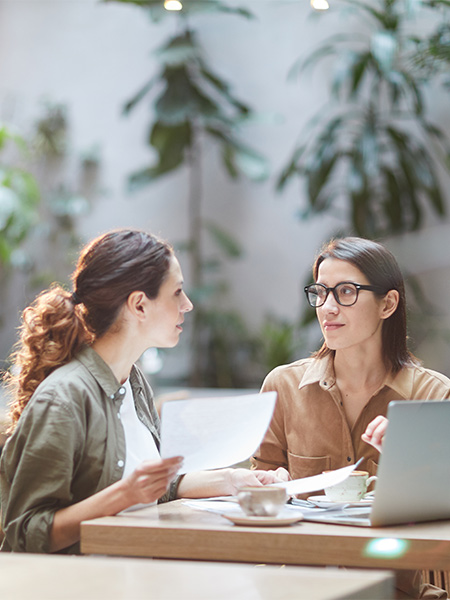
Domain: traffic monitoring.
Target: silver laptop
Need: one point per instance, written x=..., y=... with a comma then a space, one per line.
x=414, y=471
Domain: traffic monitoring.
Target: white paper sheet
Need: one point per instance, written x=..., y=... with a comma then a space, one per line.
x=228, y=504
x=212, y=433
x=232, y=508
x=317, y=482
x=216, y=506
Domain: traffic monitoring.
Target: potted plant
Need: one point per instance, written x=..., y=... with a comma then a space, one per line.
x=370, y=155
x=193, y=107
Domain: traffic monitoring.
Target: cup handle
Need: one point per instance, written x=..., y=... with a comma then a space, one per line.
x=369, y=481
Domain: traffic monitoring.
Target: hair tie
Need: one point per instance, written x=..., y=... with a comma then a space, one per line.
x=75, y=299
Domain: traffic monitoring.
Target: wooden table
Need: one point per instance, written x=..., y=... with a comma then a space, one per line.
x=42, y=577
x=174, y=530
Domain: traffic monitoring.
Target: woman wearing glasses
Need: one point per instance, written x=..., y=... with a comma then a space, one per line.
x=326, y=402
x=330, y=406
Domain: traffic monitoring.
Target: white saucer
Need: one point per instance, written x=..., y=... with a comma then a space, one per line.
x=278, y=521
x=324, y=502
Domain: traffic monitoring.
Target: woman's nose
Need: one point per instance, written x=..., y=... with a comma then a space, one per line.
x=330, y=303
x=188, y=306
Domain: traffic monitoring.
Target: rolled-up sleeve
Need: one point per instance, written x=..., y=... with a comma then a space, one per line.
x=36, y=470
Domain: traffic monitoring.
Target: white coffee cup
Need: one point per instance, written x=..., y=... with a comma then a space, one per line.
x=352, y=489
x=265, y=501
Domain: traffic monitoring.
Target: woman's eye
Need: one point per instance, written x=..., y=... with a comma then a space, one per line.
x=347, y=290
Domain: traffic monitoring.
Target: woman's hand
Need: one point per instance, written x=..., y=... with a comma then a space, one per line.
x=150, y=480
x=268, y=477
x=375, y=432
x=245, y=477
x=146, y=484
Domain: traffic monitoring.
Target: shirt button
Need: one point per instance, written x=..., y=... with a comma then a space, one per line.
x=112, y=396
x=349, y=459
x=122, y=391
x=118, y=416
x=120, y=463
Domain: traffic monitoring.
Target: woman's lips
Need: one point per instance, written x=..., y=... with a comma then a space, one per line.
x=332, y=326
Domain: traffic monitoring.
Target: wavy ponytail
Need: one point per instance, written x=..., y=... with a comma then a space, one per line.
x=57, y=324
x=51, y=333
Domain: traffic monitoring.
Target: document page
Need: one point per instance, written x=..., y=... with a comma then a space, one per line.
x=229, y=504
x=212, y=433
x=317, y=482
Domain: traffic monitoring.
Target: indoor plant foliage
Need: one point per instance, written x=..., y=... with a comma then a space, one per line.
x=370, y=155
x=40, y=208
x=193, y=107
x=19, y=198
x=66, y=198
x=433, y=52
x=19, y=203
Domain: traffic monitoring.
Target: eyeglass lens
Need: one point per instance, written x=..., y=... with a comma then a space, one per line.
x=345, y=293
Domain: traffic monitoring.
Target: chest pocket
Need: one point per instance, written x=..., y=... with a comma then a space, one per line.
x=306, y=466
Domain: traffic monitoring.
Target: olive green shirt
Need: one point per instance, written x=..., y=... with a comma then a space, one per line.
x=69, y=443
x=309, y=432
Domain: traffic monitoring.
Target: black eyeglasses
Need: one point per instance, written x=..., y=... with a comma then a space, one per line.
x=345, y=293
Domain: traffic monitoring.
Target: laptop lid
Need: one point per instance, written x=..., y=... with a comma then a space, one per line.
x=414, y=471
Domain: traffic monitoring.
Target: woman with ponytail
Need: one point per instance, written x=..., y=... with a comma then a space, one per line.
x=84, y=437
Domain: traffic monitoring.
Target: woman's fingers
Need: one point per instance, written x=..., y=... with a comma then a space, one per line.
x=278, y=476
x=283, y=474
x=166, y=468
x=375, y=432
x=151, y=479
x=373, y=425
x=160, y=466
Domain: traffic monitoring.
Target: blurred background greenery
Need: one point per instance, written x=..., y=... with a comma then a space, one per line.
x=246, y=132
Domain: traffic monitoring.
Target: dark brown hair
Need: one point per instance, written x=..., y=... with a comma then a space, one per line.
x=57, y=324
x=380, y=267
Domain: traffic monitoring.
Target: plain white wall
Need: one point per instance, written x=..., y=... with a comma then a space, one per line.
x=94, y=56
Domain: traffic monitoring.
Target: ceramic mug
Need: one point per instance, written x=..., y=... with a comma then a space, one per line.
x=265, y=501
x=352, y=489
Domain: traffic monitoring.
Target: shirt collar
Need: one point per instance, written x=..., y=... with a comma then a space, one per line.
x=102, y=373
x=402, y=383
x=321, y=371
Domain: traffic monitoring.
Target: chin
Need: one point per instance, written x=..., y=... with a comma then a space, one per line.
x=167, y=345
x=329, y=343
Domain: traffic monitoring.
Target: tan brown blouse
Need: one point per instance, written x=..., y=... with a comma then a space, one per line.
x=309, y=432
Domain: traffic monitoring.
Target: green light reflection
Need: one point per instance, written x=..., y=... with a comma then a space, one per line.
x=386, y=548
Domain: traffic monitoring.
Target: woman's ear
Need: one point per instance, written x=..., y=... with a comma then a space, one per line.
x=390, y=303
x=136, y=304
